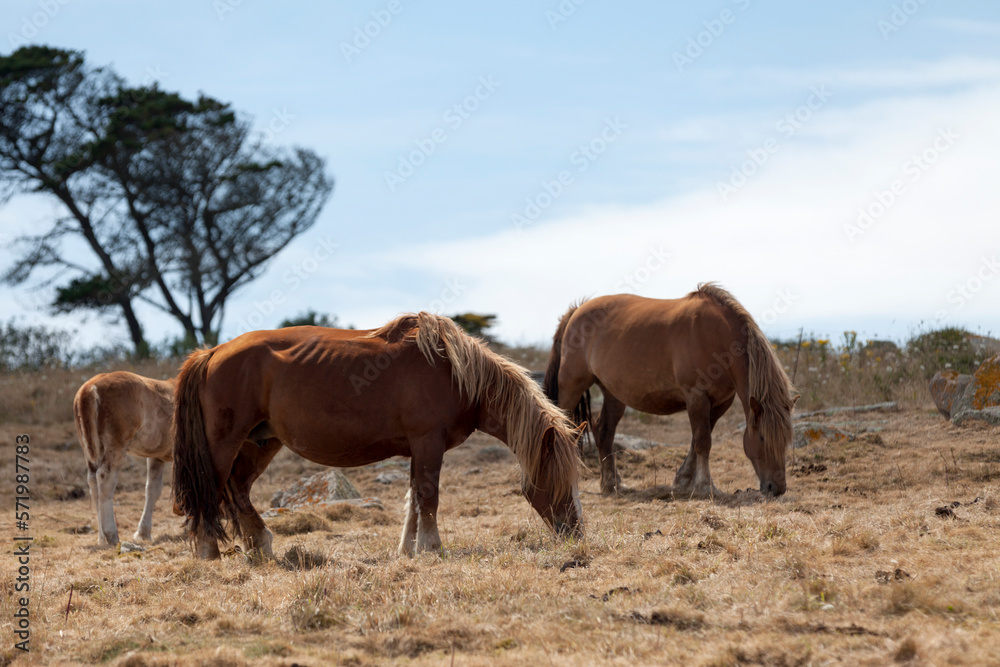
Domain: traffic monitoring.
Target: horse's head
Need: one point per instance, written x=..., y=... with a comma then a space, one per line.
x=764, y=441
x=554, y=493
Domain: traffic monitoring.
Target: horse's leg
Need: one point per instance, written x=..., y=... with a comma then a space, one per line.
x=95, y=497
x=693, y=478
x=719, y=409
x=604, y=434
x=206, y=546
x=425, y=474
x=409, y=537
x=250, y=463
x=106, y=478
x=574, y=379
x=154, y=486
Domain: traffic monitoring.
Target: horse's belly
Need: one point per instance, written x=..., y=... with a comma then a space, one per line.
x=661, y=402
x=347, y=453
x=149, y=442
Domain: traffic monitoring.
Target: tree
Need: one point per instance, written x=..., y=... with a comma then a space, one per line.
x=475, y=324
x=178, y=203
x=310, y=318
x=27, y=347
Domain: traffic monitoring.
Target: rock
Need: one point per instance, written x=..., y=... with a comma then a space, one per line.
x=807, y=433
x=945, y=387
x=989, y=415
x=494, y=453
x=389, y=476
x=982, y=392
x=323, y=488
x=394, y=462
x=890, y=406
x=366, y=502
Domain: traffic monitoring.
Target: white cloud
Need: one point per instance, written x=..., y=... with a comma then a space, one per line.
x=783, y=230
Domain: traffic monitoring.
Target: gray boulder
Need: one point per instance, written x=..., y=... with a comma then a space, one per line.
x=323, y=488
x=989, y=415
x=945, y=387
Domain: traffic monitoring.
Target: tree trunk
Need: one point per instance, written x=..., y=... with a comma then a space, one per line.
x=135, y=330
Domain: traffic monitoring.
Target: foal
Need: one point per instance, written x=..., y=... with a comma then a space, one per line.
x=117, y=413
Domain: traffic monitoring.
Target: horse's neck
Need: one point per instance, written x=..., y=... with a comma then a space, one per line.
x=741, y=379
x=493, y=421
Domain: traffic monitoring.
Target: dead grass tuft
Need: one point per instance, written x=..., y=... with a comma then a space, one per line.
x=311, y=608
x=339, y=512
x=907, y=650
x=920, y=595
x=676, y=617
x=299, y=557
x=298, y=523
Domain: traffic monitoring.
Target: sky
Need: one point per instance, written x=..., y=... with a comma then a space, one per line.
x=834, y=165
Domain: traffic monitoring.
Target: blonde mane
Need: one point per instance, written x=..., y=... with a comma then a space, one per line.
x=767, y=380
x=483, y=375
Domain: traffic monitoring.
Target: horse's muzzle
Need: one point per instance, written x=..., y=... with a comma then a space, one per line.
x=565, y=529
x=771, y=488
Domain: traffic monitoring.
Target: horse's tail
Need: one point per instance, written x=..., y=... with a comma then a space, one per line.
x=85, y=406
x=196, y=490
x=550, y=384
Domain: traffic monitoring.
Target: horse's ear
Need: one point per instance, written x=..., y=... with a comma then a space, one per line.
x=755, y=407
x=795, y=399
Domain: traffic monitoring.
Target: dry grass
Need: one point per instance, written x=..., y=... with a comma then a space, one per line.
x=46, y=397
x=852, y=566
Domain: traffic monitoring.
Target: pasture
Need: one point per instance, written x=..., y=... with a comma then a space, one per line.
x=882, y=550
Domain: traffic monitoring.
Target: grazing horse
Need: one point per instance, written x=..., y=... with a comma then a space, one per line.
x=666, y=355
x=416, y=387
x=117, y=413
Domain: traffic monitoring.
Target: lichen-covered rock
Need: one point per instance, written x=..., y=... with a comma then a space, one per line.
x=982, y=392
x=322, y=488
x=989, y=415
x=807, y=433
x=945, y=387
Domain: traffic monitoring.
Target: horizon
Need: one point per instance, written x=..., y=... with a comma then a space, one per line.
x=830, y=166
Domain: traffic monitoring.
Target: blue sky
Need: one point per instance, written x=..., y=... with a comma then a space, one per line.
x=832, y=164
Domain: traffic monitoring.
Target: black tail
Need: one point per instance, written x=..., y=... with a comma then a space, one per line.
x=196, y=490
x=550, y=384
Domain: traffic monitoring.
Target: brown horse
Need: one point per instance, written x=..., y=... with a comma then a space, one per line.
x=416, y=387
x=118, y=413
x=662, y=356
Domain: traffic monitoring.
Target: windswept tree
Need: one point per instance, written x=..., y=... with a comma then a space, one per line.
x=177, y=201
x=476, y=324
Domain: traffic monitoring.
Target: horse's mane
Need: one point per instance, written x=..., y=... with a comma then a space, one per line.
x=483, y=375
x=767, y=380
